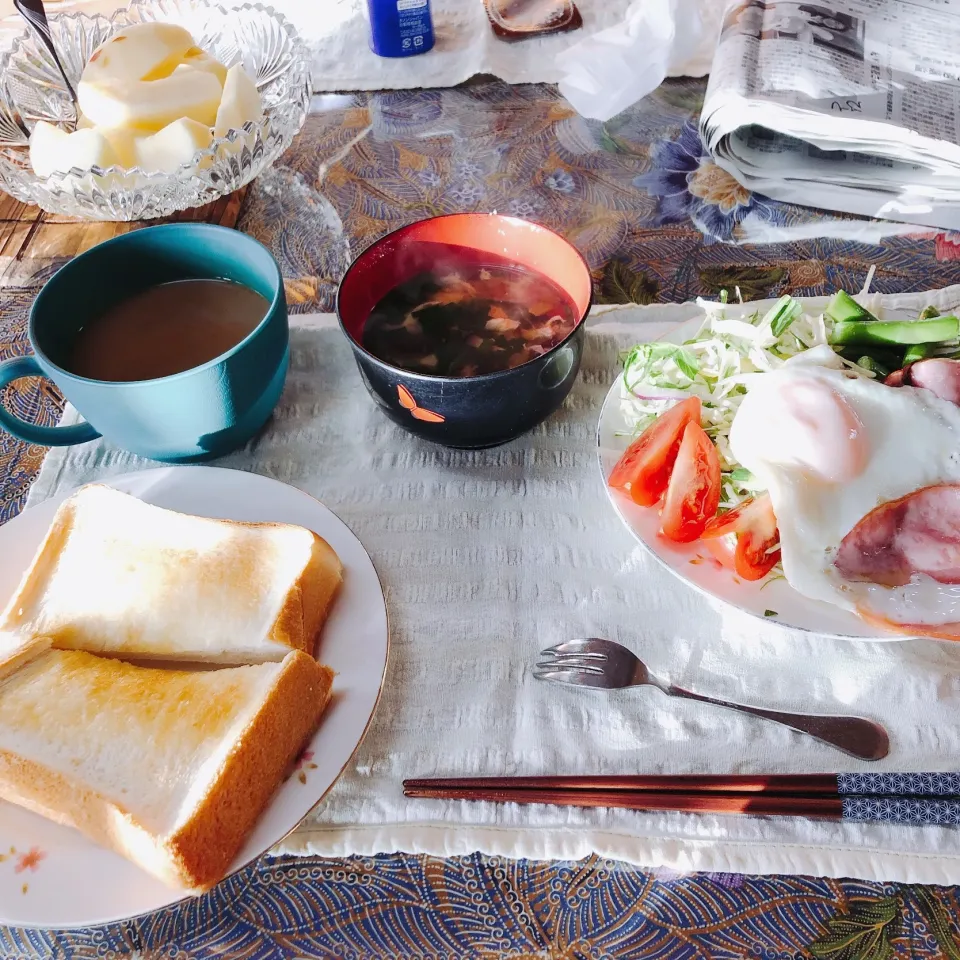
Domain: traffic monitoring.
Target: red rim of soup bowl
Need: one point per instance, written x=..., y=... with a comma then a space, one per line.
x=524, y=243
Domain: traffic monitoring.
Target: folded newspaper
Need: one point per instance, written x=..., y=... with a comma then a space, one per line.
x=853, y=106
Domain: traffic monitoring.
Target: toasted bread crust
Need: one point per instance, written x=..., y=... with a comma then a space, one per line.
x=305, y=609
x=45, y=557
x=27, y=648
x=205, y=846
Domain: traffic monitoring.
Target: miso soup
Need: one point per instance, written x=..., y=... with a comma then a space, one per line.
x=465, y=319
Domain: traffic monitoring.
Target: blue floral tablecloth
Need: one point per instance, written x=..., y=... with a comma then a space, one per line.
x=657, y=221
x=421, y=908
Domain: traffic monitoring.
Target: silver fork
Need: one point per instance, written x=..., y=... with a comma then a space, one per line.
x=609, y=666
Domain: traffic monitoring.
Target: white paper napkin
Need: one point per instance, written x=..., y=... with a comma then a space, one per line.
x=488, y=556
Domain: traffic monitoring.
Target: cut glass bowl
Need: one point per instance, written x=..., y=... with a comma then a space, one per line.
x=32, y=89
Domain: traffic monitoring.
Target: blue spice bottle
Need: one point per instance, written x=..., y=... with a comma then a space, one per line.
x=400, y=28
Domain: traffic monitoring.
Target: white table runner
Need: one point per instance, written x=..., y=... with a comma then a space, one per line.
x=488, y=556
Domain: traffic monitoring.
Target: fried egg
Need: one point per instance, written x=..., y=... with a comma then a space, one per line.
x=830, y=447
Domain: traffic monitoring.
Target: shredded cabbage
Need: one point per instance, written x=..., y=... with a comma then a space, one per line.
x=732, y=345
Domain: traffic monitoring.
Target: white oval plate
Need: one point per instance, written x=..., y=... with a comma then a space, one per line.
x=51, y=876
x=770, y=599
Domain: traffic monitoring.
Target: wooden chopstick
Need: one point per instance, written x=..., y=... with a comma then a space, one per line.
x=802, y=784
x=792, y=784
x=759, y=805
x=930, y=804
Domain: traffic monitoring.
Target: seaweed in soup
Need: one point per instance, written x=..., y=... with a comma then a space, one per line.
x=469, y=320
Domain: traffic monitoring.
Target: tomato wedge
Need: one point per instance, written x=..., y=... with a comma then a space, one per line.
x=693, y=493
x=755, y=526
x=644, y=469
x=723, y=549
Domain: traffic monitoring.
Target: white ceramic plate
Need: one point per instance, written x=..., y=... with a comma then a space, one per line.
x=771, y=599
x=51, y=876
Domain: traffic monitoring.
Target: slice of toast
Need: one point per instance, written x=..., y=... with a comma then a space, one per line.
x=121, y=577
x=170, y=768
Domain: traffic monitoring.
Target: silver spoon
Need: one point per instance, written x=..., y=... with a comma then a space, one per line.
x=610, y=666
x=35, y=14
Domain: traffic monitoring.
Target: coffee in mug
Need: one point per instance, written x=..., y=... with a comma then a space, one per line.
x=165, y=329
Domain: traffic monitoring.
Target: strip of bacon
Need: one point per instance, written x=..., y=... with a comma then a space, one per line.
x=919, y=533
x=939, y=375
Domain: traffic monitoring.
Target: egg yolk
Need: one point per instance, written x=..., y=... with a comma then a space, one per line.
x=823, y=432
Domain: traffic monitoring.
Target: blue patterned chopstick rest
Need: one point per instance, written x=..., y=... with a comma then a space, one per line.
x=904, y=810
x=899, y=784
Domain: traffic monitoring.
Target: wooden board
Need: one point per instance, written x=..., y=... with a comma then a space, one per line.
x=31, y=239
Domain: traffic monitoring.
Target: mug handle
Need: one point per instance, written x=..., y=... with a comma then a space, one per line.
x=16, y=369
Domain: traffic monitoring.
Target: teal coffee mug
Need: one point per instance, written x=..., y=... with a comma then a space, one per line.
x=198, y=414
